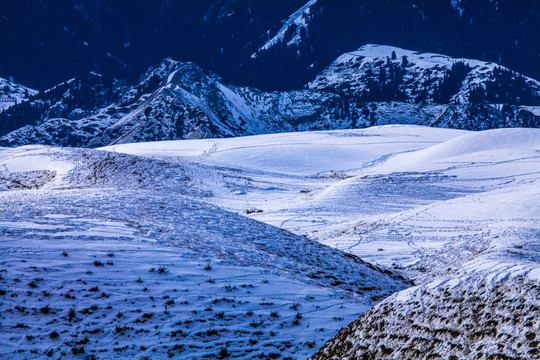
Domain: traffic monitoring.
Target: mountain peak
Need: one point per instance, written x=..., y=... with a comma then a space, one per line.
x=374, y=85
x=388, y=73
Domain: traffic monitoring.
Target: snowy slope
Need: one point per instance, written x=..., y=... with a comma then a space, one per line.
x=283, y=174
x=119, y=256
x=286, y=174
x=401, y=178
x=501, y=169
x=11, y=91
x=297, y=153
x=295, y=24
x=455, y=210
x=423, y=73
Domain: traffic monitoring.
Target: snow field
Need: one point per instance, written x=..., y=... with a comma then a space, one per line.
x=118, y=259
x=448, y=208
x=400, y=196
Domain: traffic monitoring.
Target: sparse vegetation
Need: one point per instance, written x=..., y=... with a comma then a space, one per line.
x=72, y=313
x=297, y=319
x=78, y=350
x=223, y=353
x=220, y=315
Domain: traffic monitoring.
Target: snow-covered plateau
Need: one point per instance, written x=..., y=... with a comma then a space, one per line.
x=267, y=246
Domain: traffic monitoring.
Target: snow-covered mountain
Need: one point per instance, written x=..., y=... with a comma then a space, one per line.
x=311, y=37
x=13, y=94
x=377, y=72
x=375, y=85
x=173, y=101
x=432, y=89
x=293, y=40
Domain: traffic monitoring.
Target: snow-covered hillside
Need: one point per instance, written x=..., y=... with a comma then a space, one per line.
x=290, y=32
x=418, y=76
x=457, y=211
x=401, y=177
x=12, y=93
x=219, y=247
x=107, y=255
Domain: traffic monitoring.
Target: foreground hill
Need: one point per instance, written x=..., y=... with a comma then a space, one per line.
x=113, y=256
x=492, y=317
